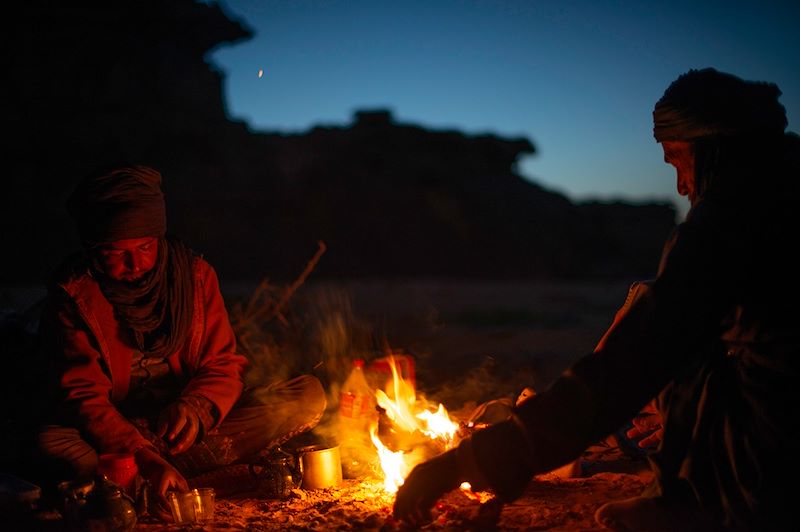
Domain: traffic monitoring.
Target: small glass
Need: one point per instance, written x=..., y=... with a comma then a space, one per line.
x=193, y=506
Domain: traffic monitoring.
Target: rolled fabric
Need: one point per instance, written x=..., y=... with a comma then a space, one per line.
x=118, y=204
x=707, y=103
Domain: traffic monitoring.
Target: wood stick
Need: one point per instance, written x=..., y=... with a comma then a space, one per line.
x=287, y=294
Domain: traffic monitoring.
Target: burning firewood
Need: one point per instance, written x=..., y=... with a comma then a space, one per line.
x=397, y=438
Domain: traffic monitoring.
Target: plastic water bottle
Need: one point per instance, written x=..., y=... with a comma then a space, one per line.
x=356, y=413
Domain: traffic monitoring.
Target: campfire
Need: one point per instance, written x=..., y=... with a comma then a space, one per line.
x=408, y=430
x=404, y=428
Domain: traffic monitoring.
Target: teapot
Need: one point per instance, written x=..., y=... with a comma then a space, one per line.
x=98, y=505
x=276, y=475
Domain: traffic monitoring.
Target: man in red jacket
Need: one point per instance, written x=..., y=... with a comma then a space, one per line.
x=143, y=353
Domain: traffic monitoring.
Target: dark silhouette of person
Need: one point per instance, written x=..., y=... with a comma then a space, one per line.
x=713, y=340
x=144, y=357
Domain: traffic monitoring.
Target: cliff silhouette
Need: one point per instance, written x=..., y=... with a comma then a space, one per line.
x=93, y=84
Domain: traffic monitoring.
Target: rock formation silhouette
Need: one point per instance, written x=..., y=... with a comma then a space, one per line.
x=91, y=84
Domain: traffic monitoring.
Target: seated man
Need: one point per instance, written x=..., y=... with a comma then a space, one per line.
x=144, y=356
x=713, y=339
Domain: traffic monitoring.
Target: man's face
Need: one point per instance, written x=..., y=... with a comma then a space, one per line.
x=680, y=154
x=127, y=260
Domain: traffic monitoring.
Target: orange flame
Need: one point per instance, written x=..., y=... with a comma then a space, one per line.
x=409, y=415
x=393, y=464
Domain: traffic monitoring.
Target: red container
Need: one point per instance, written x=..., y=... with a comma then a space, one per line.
x=121, y=469
x=379, y=371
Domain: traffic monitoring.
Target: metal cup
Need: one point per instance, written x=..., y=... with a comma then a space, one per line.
x=320, y=467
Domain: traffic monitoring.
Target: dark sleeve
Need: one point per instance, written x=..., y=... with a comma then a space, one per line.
x=661, y=332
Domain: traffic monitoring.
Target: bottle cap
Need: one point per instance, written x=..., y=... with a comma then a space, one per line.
x=358, y=363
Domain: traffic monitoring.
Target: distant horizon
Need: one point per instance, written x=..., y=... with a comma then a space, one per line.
x=456, y=129
x=578, y=79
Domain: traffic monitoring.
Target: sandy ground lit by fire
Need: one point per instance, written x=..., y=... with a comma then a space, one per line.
x=549, y=503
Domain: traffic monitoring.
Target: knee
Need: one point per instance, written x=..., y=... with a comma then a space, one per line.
x=314, y=394
x=66, y=453
x=302, y=394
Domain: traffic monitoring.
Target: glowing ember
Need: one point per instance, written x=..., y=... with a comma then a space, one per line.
x=480, y=496
x=409, y=416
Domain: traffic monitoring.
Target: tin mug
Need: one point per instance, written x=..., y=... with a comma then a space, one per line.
x=320, y=466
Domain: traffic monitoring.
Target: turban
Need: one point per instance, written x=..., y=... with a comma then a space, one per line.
x=122, y=203
x=707, y=103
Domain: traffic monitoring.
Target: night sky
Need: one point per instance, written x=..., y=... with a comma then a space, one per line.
x=577, y=78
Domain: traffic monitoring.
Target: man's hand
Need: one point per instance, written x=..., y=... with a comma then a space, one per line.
x=648, y=427
x=162, y=477
x=424, y=486
x=178, y=425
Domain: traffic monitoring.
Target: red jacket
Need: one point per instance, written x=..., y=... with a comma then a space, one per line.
x=93, y=360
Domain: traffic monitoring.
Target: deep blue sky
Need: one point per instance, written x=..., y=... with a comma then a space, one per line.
x=577, y=78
